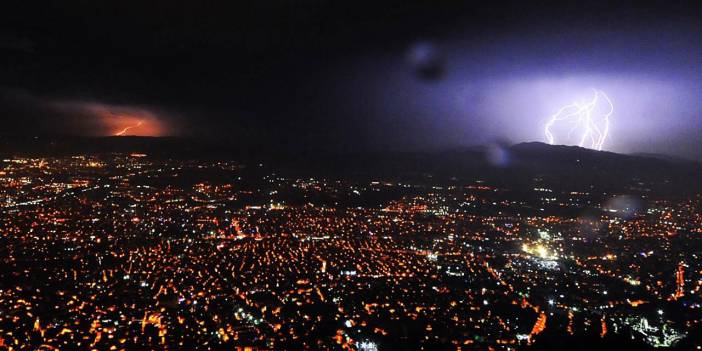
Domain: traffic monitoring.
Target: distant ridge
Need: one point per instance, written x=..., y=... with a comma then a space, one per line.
x=520, y=163
x=663, y=157
x=534, y=149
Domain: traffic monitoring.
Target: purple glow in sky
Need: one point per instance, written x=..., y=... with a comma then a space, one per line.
x=647, y=110
x=508, y=89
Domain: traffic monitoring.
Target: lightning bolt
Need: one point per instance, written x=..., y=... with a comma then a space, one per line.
x=126, y=129
x=582, y=116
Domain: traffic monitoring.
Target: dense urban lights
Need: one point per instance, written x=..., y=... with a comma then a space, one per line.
x=125, y=251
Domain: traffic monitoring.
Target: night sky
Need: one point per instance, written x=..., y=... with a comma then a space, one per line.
x=351, y=75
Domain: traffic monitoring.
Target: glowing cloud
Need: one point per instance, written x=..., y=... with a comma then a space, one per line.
x=102, y=119
x=126, y=120
x=589, y=121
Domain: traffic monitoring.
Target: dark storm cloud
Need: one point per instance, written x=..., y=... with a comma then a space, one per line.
x=23, y=112
x=321, y=74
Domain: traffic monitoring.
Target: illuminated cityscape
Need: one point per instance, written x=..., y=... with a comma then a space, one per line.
x=130, y=252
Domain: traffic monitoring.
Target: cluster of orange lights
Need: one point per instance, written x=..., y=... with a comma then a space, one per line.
x=539, y=326
x=679, y=282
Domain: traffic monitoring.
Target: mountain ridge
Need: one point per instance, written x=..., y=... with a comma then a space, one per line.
x=518, y=164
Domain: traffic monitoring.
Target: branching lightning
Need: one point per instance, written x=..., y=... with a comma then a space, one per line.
x=586, y=118
x=126, y=129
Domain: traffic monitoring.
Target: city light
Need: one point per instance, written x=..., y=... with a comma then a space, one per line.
x=367, y=346
x=234, y=263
